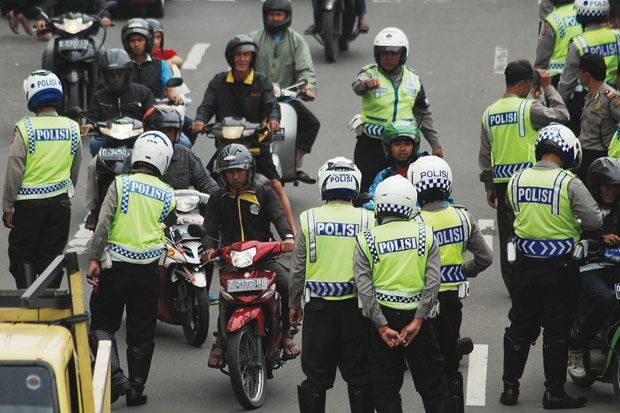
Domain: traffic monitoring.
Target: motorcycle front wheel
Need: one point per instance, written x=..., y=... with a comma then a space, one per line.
x=329, y=35
x=196, y=326
x=616, y=376
x=247, y=367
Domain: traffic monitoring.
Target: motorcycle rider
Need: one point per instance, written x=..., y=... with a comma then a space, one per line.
x=390, y=91
x=124, y=262
x=598, y=283
x=244, y=210
x=360, y=11
x=59, y=7
x=396, y=267
x=169, y=55
x=456, y=232
x=335, y=331
x=43, y=162
x=284, y=56
x=244, y=93
x=548, y=200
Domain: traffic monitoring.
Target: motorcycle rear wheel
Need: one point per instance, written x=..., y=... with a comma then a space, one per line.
x=329, y=35
x=196, y=326
x=247, y=367
x=616, y=376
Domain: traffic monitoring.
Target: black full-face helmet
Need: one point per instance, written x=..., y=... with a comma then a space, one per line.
x=285, y=6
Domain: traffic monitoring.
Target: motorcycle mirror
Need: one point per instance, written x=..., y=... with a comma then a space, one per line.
x=35, y=12
x=196, y=230
x=75, y=112
x=174, y=82
x=110, y=5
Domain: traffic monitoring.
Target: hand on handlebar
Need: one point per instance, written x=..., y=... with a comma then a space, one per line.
x=106, y=22
x=40, y=25
x=307, y=94
x=287, y=245
x=273, y=126
x=611, y=240
x=86, y=128
x=208, y=255
x=198, y=126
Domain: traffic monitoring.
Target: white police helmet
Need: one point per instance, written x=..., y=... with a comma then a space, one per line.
x=587, y=10
x=430, y=172
x=391, y=39
x=42, y=87
x=559, y=139
x=339, y=178
x=154, y=148
x=395, y=196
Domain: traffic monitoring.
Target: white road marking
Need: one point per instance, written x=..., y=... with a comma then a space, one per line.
x=386, y=1
x=477, y=376
x=194, y=57
x=228, y=1
x=80, y=240
x=487, y=228
x=501, y=60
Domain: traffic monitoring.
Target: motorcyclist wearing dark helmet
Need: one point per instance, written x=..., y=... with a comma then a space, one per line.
x=598, y=282
x=169, y=55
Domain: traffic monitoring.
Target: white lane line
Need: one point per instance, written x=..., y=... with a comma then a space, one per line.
x=228, y=1
x=194, y=57
x=386, y=1
x=501, y=60
x=487, y=229
x=477, y=376
x=80, y=240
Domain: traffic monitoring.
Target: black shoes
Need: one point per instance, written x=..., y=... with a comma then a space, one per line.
x=562, y=401
x=510, y=395
x=305, y=178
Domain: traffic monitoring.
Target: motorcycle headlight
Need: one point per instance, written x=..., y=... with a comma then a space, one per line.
x=242, y=259
x=73, y=26
x=187, y=203
x=232, y=132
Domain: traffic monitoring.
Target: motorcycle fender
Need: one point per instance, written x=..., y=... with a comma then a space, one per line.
x=200, y=279
x=286, y=149
x=245, y=315
x=72, y=76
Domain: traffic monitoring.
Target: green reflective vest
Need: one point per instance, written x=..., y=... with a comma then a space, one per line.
x=452, y=229
x=51, y=143
x=388, y=103
x=330, y=232
x=603, y=41
x=512, y=136
x=563, y=21
x=545, y=224
x=144, y=202
x=397, y=252
x=614, y=146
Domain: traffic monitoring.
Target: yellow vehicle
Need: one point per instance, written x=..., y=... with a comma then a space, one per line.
x=45, y=361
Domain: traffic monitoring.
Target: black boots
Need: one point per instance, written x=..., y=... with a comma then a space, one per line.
x=120, y=383
x=361, y=400
x=26, y=275
x=139, y=364
x=455, y=384
x=309, y=401
x=555, y=356
x=464, y=347
x=448, y=405
x=515, y=357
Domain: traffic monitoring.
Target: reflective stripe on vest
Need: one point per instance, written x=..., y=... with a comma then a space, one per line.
x=563, y=21
x=398, y=297
x=133, y=256
x=331, y=289
x=543, y=248
x=452, y=274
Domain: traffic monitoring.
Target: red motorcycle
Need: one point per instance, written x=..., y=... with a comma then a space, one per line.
x=250, y=319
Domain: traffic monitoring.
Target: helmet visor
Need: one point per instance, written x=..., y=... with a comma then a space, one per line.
x=243, y=48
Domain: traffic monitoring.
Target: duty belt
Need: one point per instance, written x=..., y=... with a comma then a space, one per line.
x=397, y=297
x=506, y=171
x=452, y=274
x=331, y=289
x=543, y=248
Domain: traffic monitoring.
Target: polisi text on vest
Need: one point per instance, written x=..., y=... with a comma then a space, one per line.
x=396, y=245
x=505, y=118
x=337, y=229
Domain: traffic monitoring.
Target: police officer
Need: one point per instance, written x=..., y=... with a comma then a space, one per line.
x=552, y=206
x=390, y=91
x=596, y=38
x=335, y=331
x=559, y=27
x=43, y=163
x=396, y=267
x=507, y=140
x=601, y=112
x=127, y=244
x=456, y=232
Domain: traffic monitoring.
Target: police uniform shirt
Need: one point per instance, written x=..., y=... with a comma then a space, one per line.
x=16, y=165
x=601, y=114
x=545, y=47
x=365, y=289
x=546, y=6
x=540, y=116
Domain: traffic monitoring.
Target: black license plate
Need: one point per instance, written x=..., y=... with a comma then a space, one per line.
x=114, y=154
x=73, y=44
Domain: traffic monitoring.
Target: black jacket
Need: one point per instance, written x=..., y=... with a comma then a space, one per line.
x=149, y=75
x=133, y=102
x=58, y=7
x=186, y=170
x=246, y=217
x=252, y=99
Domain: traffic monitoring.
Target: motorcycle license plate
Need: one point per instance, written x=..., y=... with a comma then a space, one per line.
x=114, y=154
x=278, y=136
x=617, y=286
x=73, y=44
x=252, y=284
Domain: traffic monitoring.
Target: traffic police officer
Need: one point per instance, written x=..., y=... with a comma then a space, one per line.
x=550, y=205
x=596, y=38
x=396, y=266
x=390, y=91
x=560, y=26
x=456, y=232
x=335, y=331
x=44, y=161
x=601, y=112
x=127, y=244
x=507, y=141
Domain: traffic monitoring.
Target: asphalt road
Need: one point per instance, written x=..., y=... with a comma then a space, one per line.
x=457, y=47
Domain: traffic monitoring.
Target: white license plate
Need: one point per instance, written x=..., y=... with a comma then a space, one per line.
x=73, y=44
x=618, y=291
x=278, y=136
x=114, y=154
x=252, y=284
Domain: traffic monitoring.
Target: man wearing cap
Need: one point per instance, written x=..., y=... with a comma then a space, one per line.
x=509, y=129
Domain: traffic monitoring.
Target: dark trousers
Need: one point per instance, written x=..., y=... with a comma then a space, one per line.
x=388, y=365
x=369, y=158
x=505, y=221
x=134, y=287
x=447, y=326
x=575, y=109
x=40, y=234
x=307, y=126
x=588, y=156
x=335, y=335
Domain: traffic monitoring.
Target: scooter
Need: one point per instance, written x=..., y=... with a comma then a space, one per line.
x=250, y=319
x=338, y=26
x=184, y=279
